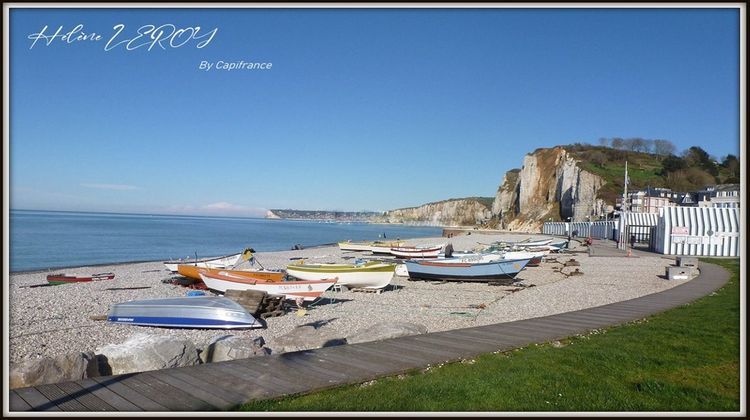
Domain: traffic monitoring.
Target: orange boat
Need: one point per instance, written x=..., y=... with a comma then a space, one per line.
x=193, y=272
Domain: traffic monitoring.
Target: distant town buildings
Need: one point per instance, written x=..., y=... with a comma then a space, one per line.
x=650, y=200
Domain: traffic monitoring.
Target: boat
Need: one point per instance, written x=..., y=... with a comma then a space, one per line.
x=63, y=278
x=401, y=270
x=183, y=312
x=368, y=275
x=417, y=251
x=193, y=272
x=368, y=245
x=215, y=262
x=535, y=258
x=307, y=290
x=482, y=268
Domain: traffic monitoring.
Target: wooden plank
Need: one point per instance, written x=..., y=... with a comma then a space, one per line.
x=428, y=354
x=16, y=403
x=490, y=339
x=220, y=396
x=117, y=402
x=116, y=384
x=83, y=396
x=368, y=352
x=591, y=322
x=281, y=379
x=199, y=392
x=620, y=314
x=273, y=375
x=174, y=396
x=231, y=388
x=374, y=347
x=522, y=332
x=446, y=340
x=60, y=398
x=307, y=366
x=360, y=359
x=352, y=370
x=565, y=327
x=37, y=400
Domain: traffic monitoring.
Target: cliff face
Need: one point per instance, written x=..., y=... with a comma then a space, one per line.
x=550, y=185
x=460, y=212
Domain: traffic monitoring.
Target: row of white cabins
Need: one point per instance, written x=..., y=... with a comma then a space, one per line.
x=700, y=223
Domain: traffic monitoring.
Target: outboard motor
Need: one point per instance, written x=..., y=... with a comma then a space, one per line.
x=448, y=251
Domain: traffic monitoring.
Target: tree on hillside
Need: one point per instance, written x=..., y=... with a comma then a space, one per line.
x=664, y=147
x=690, y=179
x=603, y=141
x=695, y=156
x=617, y=143
x=672, y=163
x=598, y=158
x=629, y=144
x=732, y=165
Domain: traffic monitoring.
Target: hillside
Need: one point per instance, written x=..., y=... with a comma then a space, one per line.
x=691, y=172
x=454, y=212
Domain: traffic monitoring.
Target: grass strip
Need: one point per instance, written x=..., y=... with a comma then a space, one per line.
x=685, y=359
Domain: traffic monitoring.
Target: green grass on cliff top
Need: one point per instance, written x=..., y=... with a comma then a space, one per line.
x=685, y=359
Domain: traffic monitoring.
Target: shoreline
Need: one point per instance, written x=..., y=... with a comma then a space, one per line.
x=47, y=321
x=120, y=263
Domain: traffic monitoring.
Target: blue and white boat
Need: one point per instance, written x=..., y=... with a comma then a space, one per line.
x=484, y=267
x=184, y=312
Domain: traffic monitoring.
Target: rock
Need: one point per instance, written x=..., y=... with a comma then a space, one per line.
x=230, y=347
x=49, y=370
x=306, y=337
x=572, y=263
x=143, y=352
x=386, y=330
x=550, y=183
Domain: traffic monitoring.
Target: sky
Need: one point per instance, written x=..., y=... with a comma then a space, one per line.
x=362, y=109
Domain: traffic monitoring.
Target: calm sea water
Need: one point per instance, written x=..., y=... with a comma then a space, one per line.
x=47, y=239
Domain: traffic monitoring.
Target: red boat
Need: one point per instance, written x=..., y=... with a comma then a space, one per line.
x=74, y=278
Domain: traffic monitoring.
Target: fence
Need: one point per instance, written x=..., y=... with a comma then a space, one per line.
x=699, y=231
x=598, y=230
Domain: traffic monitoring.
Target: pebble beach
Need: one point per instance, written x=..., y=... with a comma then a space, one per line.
x=47, y=321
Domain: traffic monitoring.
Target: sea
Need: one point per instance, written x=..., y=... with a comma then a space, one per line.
x=43, y=240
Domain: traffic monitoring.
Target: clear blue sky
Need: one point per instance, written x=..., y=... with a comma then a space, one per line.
x=362, y=109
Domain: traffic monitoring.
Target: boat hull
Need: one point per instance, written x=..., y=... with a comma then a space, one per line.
x=368, y=246
x=368, y=276
x=56, y=279
x=216, y=262
x=193, y=272
x=306, y=290
x=403, y=252
x=464, y=271
x=184, y=312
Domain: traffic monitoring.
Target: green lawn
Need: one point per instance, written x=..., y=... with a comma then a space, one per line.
x=685, y=359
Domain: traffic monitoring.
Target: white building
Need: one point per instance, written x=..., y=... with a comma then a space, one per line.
x=723, y=196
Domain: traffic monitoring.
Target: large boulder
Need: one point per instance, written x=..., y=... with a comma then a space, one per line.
x=386, y=330
x=49, y=370
x=142, y=352
x=230, y=347
x=305, y=337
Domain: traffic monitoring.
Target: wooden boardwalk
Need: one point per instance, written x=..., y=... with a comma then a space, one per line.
x=223, y=385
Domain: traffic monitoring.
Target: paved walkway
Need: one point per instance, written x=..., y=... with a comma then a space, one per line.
x=223, y=385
